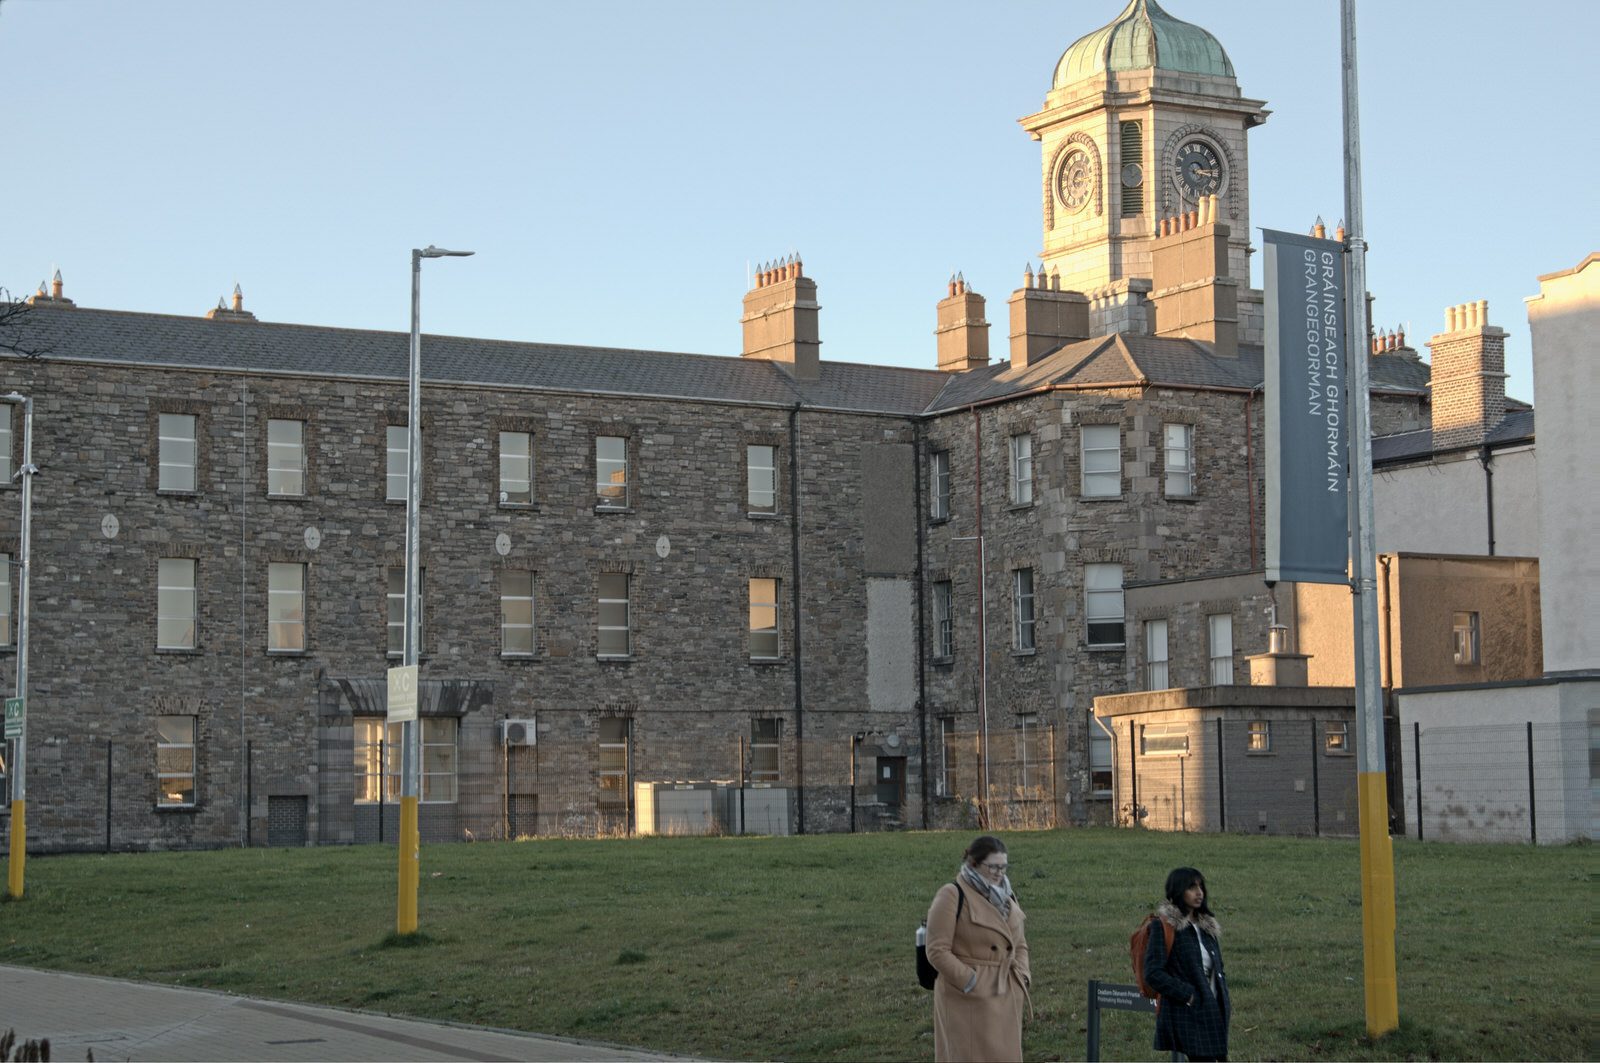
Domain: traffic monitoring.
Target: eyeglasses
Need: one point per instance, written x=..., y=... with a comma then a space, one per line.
x=994, y=869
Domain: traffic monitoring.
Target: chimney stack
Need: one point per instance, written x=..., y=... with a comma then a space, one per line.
x=1043, y=317
x=1468, y=377
x=237, y=313
x=780, y=318
x=961, y=331
x=54, y=298
x=1191, y=293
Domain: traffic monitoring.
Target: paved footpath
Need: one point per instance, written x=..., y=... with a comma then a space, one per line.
x=123, y=1020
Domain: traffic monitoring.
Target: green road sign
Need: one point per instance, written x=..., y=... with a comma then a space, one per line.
x=16, y=716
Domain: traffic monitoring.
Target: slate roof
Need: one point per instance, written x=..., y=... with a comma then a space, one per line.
x=311, y=350
x=198, y=343
x=1515, y=427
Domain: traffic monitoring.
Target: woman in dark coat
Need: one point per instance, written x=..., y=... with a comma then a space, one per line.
x=1192, y=1014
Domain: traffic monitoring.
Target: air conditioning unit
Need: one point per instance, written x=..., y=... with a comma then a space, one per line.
x=518, y=733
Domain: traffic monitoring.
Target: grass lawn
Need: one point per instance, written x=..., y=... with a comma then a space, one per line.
x=800, y=948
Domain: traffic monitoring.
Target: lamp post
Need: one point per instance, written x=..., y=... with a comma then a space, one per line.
x=19, y=758
x=411, y=734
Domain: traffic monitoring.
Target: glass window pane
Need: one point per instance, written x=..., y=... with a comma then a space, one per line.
x=177, y=452
x=398, y=444
x=7, y=442
x=761, y=478
x=175, y=603
x=939, y=484
x=763, y=618
x=175, y=729
x=1103, y=593
x=611, y=470
x=5, y=600
x=516, y=612
x=516, y=468
x=396, y=608
x=286, y=606
x=285, y=458
x=1102, y=460
x=613, y=625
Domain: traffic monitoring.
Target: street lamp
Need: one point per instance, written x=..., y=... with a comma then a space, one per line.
x=411, y=734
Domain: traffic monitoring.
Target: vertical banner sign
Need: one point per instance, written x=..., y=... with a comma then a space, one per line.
x=1308, y=440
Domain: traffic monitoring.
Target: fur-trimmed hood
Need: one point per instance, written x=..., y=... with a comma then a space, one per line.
x=1178, y=921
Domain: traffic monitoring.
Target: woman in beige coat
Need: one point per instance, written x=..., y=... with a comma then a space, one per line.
x=982, y=959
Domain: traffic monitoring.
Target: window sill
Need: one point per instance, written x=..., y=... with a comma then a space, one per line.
x=762, y=515
x=943, y=661
x=168, y=493
x=179, y=651
x=1188, y=499
x=608, y=510
x=1259, y=753
x=614, y=658
x=768, y=662
x=519, y=656
x=936, y=521
x=517, y=505
x=1101, y=498
x=287, y=653
x=1025, y=653
x=176, y=809
x=394, y=501
x=1340, y=753
x=1015, y=506
x=288, y=498
x=1109, y=647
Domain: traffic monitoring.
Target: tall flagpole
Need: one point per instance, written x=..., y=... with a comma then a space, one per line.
x=1377, y=853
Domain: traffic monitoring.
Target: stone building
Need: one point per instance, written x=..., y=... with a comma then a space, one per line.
x=890, y=594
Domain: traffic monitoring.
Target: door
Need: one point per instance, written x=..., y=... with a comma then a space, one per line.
x=891, y=784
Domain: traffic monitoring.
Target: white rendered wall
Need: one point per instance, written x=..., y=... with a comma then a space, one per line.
x=1441, y=508
x=1564, y=320
x=1475, y=762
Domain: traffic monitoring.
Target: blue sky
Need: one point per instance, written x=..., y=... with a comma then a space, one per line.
x=618, y=168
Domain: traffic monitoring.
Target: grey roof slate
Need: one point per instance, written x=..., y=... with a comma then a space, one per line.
x=198, y=343
x=1515, y=427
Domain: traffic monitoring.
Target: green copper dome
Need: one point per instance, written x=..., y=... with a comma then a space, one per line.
x=1143, y=37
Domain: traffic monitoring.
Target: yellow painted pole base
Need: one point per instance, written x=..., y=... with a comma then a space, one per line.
x=405, y=919
x=1377, y=905
x=19, y=849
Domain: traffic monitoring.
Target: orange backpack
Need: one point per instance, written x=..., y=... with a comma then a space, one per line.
x=1136, y=947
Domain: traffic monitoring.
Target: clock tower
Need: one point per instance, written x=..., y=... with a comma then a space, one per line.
x=1143, y=119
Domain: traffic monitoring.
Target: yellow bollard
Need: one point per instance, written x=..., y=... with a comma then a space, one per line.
x=19, y=849
x=1377, y=905
x=405, y=921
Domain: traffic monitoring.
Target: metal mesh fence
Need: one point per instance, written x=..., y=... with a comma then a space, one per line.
x=1511, y=782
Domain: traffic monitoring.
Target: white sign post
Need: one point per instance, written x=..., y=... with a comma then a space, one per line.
x=403, y=694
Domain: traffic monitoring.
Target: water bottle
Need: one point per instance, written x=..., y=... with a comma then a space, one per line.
x=922, y=934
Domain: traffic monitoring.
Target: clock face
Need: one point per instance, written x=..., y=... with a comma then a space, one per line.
x=1132, y=175
x=1075, y=180
x=1197, y=169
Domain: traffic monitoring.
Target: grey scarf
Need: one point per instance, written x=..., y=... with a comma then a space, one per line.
x=999, y=896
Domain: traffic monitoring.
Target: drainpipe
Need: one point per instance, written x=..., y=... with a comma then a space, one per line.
x=1388, y=628
x=1250, y=470
x=1486, y=456
x=794, y=596
x=983, y=621
x=922, y=656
